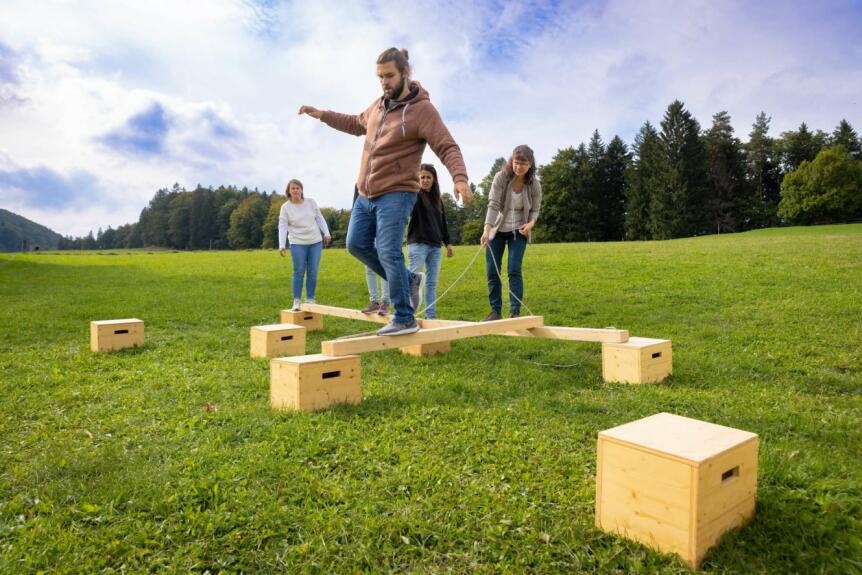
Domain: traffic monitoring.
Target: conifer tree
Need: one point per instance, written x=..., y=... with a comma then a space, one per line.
x=642, y=177
x=614, y=201
x=726, y=202
x=844, y=135
x=676, y=208
x=763, y=172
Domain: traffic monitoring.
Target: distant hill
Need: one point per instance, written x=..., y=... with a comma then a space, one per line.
x=14, y=229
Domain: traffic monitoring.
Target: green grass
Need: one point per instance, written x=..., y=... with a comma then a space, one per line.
x=479, y=460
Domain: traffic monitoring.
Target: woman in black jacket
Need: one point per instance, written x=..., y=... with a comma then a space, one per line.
x=426, y=233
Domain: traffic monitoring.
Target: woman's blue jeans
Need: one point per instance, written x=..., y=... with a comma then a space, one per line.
x=517, y=245
x=419, y=255
x=306, y=260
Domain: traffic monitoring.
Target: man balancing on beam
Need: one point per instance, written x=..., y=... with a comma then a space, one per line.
x=396, y=127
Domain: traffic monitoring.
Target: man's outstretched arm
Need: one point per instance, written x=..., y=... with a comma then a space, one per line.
x=351, y=124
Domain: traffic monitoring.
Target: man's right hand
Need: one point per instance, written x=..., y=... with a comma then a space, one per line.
x=281, y=252
x=311, y=111
x=463, y=192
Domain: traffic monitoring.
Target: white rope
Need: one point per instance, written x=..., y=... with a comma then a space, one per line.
x=453, y=283
x=469, y=265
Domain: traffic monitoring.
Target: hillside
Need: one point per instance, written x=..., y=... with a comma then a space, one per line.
x=14, y=229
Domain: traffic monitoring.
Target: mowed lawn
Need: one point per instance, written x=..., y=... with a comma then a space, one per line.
x=479, y=460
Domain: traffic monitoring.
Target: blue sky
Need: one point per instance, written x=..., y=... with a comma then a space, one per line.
x=103, y=103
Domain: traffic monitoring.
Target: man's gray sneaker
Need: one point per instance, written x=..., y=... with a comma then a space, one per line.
x=417, y=286
x=395, y=328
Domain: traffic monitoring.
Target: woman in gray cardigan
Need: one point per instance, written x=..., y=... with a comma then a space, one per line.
x=513, y=207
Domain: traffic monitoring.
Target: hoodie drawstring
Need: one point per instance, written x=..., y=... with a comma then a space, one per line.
x=404, y=120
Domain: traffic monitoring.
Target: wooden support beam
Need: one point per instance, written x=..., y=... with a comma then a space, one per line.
x=426, y=349
x=425, y=336
x=574, y=334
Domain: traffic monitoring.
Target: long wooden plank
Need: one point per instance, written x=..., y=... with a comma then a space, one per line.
x=604, y=335
x=431, y=335
x=345, y=313
x=373, y=317
x=545, y=332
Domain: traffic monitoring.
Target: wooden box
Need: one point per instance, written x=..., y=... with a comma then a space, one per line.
x=280, y=339
x=113, y=334
x=310, y=382
x=674, y=483
x=426, y=349
x=309, y=320
x=638, y=360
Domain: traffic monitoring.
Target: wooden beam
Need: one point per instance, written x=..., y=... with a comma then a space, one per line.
x=345, y=313
x=373, y=317
x=574, y=334
x=545, y=332
x=430, y=335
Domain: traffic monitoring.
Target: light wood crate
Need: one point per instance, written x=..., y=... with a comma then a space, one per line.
x=426, y=349
x=114, y=334
x=674, y=483
x=309, y=382
x=638, y=360
x=277, y=340
x=309, y=320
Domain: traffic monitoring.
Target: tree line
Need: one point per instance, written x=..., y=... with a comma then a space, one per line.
x=679, y=180
x=675, y=180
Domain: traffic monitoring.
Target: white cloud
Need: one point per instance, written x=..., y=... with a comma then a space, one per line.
x=230, y=76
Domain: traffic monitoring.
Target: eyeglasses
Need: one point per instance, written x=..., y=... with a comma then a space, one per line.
x=520, y=163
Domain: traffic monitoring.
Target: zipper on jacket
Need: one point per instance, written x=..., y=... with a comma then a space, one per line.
x=377, y=140
x=371, y=151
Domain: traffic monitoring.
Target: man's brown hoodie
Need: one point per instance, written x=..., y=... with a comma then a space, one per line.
x=395, y=136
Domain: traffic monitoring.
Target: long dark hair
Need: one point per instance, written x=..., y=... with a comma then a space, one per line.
x=434, y=192
x=522, y=153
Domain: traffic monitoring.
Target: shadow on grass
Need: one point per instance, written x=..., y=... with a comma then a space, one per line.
x=793, y=531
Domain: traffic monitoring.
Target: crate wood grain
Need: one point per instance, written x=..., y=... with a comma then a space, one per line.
x=674, y=483
x=114, y=334
x=637, y=360
x=310, y=382
x=309, y=320
x=277, y=340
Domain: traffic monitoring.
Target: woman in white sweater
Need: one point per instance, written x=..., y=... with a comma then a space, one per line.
x=301, y=222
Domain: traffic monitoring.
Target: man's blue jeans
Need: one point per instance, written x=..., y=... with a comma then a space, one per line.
x=517, y=245
x=429, y=256
x=383, y=219
x=306, y=260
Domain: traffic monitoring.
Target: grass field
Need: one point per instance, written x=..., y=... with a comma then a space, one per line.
x=480, y=460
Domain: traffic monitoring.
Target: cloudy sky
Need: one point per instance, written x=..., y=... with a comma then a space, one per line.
x=104, y=102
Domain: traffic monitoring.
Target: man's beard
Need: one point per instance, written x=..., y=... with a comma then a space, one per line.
x=396, y=91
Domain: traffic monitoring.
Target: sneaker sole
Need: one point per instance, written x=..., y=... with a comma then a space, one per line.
x=406, y=331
